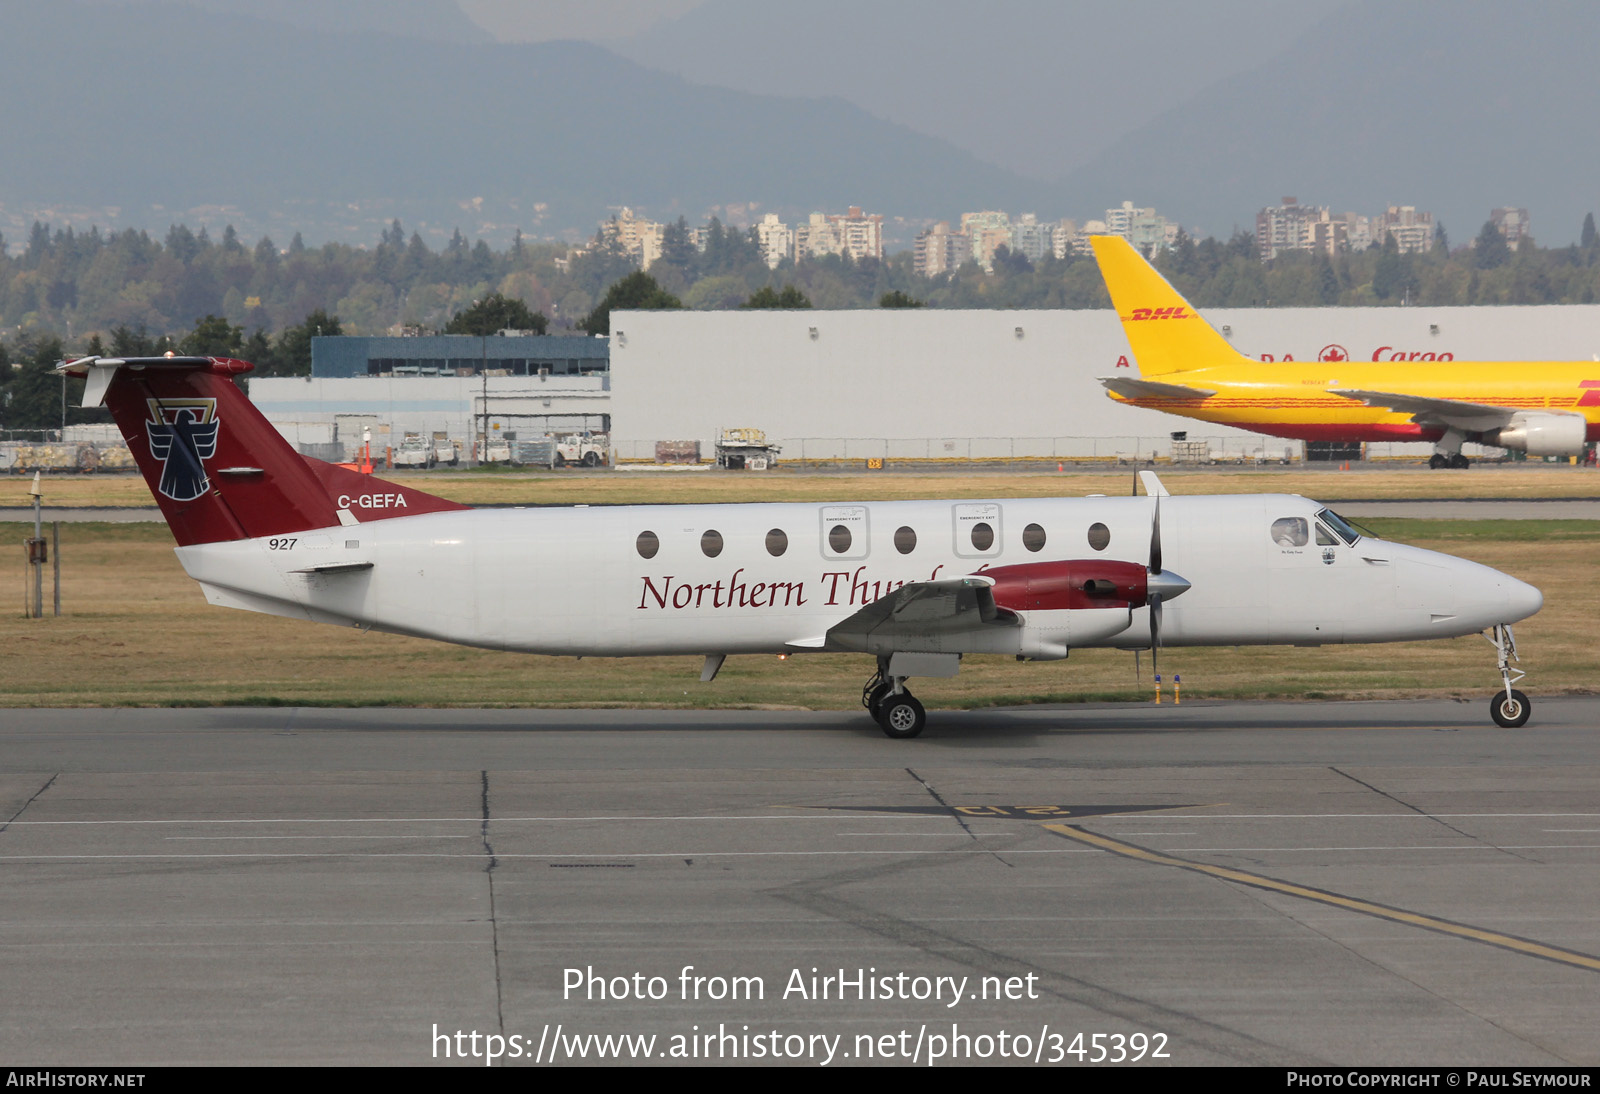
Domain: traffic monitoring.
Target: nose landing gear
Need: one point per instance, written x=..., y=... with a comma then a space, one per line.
x=1509, y=707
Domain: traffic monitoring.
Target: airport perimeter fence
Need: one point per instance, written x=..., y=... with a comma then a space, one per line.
x=1196, y=450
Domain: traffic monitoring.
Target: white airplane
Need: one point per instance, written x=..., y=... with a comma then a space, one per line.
x=915, y=584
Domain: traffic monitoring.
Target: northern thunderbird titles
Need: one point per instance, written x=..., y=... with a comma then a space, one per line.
x=850, y=588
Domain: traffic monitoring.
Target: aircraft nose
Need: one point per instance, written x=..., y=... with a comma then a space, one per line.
x=1522, y=599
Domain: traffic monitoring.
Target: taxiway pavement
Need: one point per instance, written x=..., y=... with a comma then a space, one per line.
x=1318, y=883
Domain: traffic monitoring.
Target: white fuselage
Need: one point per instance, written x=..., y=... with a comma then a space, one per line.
x=575, y=581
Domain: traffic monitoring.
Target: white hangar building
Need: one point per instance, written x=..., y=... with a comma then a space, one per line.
x=931, y=383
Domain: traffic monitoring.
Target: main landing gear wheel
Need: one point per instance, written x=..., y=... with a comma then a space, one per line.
x=901, y=716
x=1510, y=711
x=1460, y=462
x=1436, y=461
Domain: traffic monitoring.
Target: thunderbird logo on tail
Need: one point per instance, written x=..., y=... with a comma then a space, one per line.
x=183, y=434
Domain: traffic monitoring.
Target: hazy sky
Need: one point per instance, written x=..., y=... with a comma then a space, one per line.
x=590, y=20
x=1035, y=86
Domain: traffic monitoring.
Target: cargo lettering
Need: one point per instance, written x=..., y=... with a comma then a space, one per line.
x=1158, y=313
x=1413, y=355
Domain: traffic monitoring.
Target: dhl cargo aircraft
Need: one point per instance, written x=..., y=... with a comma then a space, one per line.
x=914, y=584
x=1543, y=408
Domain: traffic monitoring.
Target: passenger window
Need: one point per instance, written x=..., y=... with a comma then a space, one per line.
x=978, y=529
x=905, y=540
x=1033, y=537
x=1099, y=536
x=1290, y=532
x=1325, y=538
x=711, y=544
x=777, y=542
x=845, y=532
x=647, y=545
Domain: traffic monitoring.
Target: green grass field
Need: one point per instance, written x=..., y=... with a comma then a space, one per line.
x=137, y=631
x=625, y=487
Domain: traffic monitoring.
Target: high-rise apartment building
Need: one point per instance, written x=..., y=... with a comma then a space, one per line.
x=777, y=240
x=940, y=251
x=1030, y=238
x=1511, y=223
x=1411, y=231
x=988, y=231
x=639, y=238
x=1295, y=227
x=857, y=234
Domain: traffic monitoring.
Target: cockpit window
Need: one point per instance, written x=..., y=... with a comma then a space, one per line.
x=1324, y=537
x=1290, y=532
x=1339, y=525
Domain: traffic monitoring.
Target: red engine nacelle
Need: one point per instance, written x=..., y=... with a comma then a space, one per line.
x=1073, y=583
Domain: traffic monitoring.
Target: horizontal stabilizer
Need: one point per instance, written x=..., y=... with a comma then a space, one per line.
x=1129, y=388
x=335, y=568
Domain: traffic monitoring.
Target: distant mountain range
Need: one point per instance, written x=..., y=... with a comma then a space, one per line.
x=278, y=118
x=169, y=113
x=1454, y=106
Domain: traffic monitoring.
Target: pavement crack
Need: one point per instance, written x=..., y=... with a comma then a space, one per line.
x=1289, y=913
x=48, y=784
x=1227, y=1043
x=494, y=924
x=961, y=820
x=1437, y=820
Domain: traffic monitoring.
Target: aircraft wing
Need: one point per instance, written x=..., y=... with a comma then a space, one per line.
x=921, y=611
x=1129, y=388
x=1472, y=417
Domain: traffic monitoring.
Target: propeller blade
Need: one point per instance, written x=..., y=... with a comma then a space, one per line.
x=1155, y=539
x=1155, y=632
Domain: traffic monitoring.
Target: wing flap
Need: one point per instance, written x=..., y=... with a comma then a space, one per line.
x=923, y=611
x=1472, y=417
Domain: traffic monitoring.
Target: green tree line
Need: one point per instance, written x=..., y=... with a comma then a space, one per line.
x=265, y=303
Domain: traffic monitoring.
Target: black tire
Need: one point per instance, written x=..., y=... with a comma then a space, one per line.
x=1510, y=712
x=1460, y=462
x=1437, y=461
x=560, y=461
x=591, y=459
x=901, y=716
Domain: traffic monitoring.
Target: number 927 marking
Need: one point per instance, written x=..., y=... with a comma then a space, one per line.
x=282, y=544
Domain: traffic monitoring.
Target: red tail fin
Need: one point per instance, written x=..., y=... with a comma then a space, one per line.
x=217, y=467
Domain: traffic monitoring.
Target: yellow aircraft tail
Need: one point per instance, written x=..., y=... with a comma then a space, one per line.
x=1165, y=332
